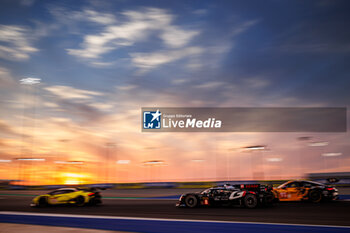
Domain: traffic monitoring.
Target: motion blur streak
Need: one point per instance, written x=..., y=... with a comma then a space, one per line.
x=162, y=225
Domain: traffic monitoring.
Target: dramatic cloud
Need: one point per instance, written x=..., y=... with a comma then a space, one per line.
x=66, y=92
x=15, y=43
x=140, y=26
x=67, y=17
x=176, y=37
x=153, y=60
x=94, y=16
x=209, y=85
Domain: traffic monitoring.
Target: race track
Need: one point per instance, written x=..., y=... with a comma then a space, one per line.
x=330, y=213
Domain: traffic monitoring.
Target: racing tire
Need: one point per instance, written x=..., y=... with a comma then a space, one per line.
x=95, y=201
x=250, y=201
x=315, y=196
x=79, y=201
x=191, y=201
x=270, y=200
x=43, y=202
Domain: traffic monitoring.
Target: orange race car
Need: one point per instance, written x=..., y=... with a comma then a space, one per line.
x=300, y=190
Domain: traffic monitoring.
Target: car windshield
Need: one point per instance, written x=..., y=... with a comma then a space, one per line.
x=205, y=191
x=61, y=191
x=282, y=185
x=314, y=183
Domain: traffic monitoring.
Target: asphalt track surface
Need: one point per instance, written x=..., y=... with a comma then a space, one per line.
x=329, y=213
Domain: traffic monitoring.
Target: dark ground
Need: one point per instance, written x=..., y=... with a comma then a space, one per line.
x=330, y=213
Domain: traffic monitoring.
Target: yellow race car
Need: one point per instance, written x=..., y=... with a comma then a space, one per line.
x=301, y=190
x=78, y=197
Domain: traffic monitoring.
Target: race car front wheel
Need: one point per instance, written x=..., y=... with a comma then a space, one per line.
x=79, y=201
x=250, y=201
x=191, y=201
x=315, y=196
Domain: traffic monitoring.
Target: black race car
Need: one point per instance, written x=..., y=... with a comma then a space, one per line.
x=247, y=195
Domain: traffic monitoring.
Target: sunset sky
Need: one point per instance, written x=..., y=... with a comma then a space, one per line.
x=99, y=62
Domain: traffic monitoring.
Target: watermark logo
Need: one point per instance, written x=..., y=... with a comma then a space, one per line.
x=205, y=119
x=152, y=120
